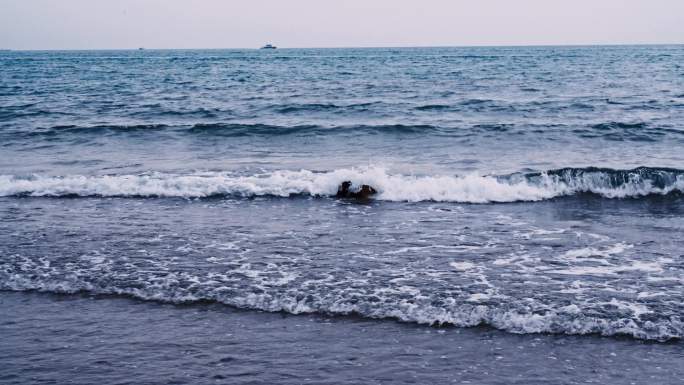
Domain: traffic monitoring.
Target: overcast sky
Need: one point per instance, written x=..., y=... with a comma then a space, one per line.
x=90, y=24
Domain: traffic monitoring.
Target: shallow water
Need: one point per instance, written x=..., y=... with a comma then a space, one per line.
x=81, y=340
x=525, y=190
x=571, y=265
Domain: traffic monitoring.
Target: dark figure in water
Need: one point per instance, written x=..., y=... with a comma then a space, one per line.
x=365, y=192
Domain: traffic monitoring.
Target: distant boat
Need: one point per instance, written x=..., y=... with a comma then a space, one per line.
x=269, y=46
x=141, y=49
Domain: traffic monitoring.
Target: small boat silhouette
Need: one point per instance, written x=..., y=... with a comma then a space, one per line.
x=269, y=46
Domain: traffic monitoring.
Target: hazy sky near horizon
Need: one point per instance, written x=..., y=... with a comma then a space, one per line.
x=92, y=24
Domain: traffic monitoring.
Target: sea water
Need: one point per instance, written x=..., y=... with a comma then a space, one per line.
x=530, y=204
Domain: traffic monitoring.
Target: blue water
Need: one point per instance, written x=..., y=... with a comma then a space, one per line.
x=530, y=191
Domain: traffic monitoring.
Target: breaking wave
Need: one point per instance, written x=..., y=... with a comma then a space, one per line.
x=173, y=288
x=471, y=188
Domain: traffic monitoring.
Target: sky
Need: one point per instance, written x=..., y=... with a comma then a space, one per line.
x=120, y=24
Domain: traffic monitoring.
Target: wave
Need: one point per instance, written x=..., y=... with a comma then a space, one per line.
x=623, y=131
x=235, y=130
x=619, y=125
x=388, y=303
x=321, y=107
x=99, y=129
x=308, y=107
x=620, y=131
x=434, y=107
x=470, y=188
x=232, y=129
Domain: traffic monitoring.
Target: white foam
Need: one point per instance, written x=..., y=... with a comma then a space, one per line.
x=637, y=266
x=471, y=188
x=477, y=297
x=634, y=308
x=570, y=319
x=462, y=266
x=589, y=252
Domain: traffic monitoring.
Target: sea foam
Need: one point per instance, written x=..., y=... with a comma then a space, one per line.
x=469, y=188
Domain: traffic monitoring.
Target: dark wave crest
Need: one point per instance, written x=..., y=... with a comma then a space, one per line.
x=594, y=178
x=233, y=129
x=613, y=131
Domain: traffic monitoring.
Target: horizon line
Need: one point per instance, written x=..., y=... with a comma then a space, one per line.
x=350, y=47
